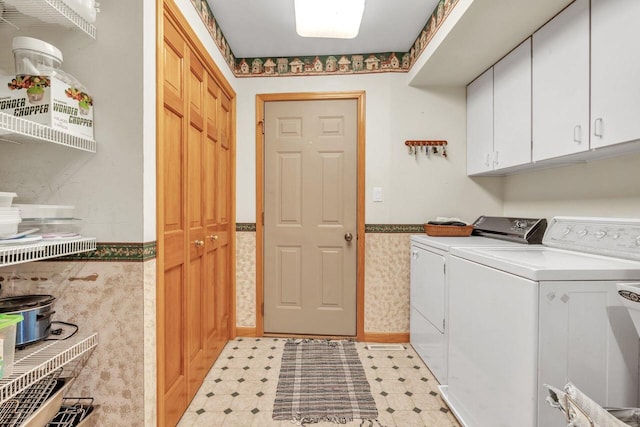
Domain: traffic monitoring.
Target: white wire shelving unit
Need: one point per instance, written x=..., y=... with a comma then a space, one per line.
x=46, y=12
x=44, y=249
x=36, y=362
x=18, y=130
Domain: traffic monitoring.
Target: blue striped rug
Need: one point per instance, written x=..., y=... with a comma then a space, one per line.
x=322, y=381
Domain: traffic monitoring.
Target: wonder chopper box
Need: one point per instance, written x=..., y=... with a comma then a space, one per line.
x=49, y=101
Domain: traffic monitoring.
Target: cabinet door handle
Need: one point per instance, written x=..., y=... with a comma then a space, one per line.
x=495, y=158
x=199, y=243
x=487, y=160
x=213, y=237
x=577, y=134
x=597, y=127
x=414, y=254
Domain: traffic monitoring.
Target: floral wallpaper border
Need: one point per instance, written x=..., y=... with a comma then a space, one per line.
x=115, y=252
x=360, y=63
x=141, y=252
x=368, y=228
x=245, y=226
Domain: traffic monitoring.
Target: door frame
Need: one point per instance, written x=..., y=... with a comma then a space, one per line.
x=261, y=99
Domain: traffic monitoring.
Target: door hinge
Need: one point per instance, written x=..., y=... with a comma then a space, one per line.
x=262, y=309
x=263, y=218
x=444, y=268
x=443, y=323
x=261, y=123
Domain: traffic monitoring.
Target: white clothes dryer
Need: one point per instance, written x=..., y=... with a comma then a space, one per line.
x=429, y=290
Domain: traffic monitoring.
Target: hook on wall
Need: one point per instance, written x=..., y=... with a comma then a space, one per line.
x=437, y=147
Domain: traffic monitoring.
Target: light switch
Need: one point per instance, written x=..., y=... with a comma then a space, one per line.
x=377, y=194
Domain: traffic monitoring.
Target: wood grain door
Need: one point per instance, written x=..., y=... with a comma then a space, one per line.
x=212, y=148
x=196, y=195
x=310, y=217
x=196, y=229
x=224, y=222
x=172, y=302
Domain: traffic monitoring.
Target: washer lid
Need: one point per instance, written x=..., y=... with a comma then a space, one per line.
x=24, y=302
x=544, y=263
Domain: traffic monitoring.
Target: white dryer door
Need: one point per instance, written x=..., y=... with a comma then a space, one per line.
x=428, y=285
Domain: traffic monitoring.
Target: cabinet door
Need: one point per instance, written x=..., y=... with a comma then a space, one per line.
x=615, y=72
x=428, y=285
x=480, y=124
x=560, y=84
x=512, y=108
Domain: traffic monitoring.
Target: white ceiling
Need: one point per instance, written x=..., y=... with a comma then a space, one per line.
x=266, y=28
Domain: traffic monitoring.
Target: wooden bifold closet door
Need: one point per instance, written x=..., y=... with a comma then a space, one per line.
x=196, y=229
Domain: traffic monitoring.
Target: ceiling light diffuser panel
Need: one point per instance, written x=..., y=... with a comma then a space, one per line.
x=329, y=18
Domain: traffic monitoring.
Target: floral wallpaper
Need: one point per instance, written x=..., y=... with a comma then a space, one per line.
x=324, y=65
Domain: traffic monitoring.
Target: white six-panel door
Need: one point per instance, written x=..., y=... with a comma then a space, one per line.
x=310, y=217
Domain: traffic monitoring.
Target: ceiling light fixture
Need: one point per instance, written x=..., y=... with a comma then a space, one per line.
x=338, y=19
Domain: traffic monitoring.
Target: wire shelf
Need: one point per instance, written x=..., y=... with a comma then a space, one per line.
x=18, y=130
x=31, y=399
x=43, y=249
x=36, y=362
x=48, y=12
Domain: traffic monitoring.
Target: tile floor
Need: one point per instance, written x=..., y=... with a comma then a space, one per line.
x=241, y=387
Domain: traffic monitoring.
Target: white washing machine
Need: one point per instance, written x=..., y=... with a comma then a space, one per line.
x=523, y=317
x=429, y=294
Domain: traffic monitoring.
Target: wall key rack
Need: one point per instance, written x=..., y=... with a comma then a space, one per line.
x=437, y=148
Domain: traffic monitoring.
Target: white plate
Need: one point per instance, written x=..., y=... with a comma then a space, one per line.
x=21, y=240
x=21, y=234
x=60, y=236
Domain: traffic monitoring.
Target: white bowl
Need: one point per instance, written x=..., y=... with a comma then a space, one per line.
x=8, y=229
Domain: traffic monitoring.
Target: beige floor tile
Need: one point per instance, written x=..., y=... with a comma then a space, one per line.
x=239, y=419
x=188, y=419
x=218, y=403
x=409, y=419
x=400, y=402
x=244, y=403
x=211, y=419
x=257, y=395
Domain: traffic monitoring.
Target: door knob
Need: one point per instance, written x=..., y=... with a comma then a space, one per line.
x=199, y=243
x=348, y=237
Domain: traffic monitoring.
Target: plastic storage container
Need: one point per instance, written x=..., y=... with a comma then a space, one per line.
x=35, y=57
x=6, y=199
x=44, y=211
x=8, y=324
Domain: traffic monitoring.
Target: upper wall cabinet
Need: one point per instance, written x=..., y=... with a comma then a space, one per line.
x=560, y=84
x=584, y=92
x=615, y=72
x=499, y=115
x=512, y=108
x=480, y=124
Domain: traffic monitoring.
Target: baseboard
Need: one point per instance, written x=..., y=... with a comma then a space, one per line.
x=386, y=337
x=242, y=331
x=377, y=337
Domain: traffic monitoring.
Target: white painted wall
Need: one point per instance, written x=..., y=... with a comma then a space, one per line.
x=149, y=119
x=106, y=187
x=600, y=188
x=415, y=190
